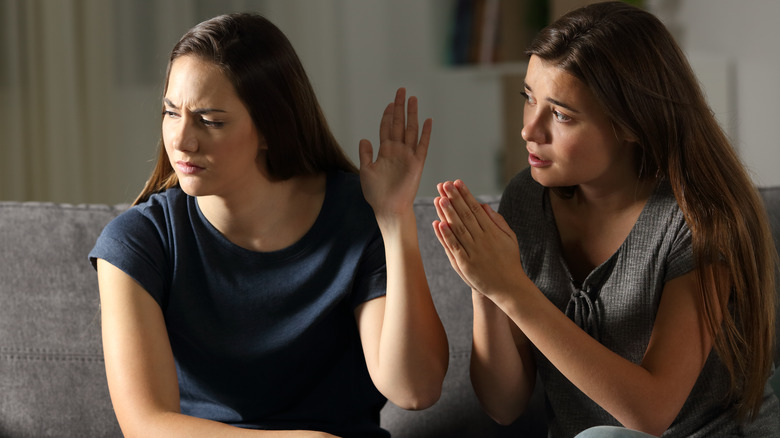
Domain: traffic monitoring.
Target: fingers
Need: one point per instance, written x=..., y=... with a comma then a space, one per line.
x=425, y=139
x=398, y=126
x=498, y=220
x=412, y=128
x=399, y=121
x=385, y=125
x=455, y=222
x=440, y=228
x=365, y=153
x=444, y=229
x=466, y=207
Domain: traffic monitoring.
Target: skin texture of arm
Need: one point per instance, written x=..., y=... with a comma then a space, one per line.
x=503, y=371
x=140, y=368
x=403, y=339
x=646, y=396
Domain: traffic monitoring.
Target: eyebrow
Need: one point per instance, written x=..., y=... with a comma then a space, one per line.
x=198, y=111
x=553, y=101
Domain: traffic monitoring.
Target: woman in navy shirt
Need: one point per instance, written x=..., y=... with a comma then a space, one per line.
x=259, y=286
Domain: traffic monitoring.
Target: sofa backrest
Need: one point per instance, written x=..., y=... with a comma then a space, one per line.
x=771, y=197
x=52, y=377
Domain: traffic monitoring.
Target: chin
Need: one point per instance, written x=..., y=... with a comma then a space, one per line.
x=550, y=179
x=192, y=189
x=544, y=177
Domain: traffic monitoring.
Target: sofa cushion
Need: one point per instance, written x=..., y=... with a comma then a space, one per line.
x=52, y=376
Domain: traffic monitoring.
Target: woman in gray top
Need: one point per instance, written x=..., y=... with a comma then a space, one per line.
x=632, y=266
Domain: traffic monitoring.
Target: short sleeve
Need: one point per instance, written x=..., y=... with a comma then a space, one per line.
x=680, y=260
x=132, y=243
x=371, y=277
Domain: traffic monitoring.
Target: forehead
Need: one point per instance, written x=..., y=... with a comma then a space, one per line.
x=543, y=76
x=548, y=81
x=192, y=80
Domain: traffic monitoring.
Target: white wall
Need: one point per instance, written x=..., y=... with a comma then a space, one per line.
x=745, y=35
x=384, y=44
x=357, y=52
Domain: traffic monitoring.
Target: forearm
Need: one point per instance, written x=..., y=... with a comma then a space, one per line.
x=413, y=351
x=635, y=396
x=502, y=377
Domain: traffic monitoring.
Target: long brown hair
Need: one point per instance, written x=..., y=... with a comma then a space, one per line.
x=269, y=78
x=639, y=75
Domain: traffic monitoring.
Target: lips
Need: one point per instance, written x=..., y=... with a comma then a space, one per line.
x=188, y=167
x=537, y=161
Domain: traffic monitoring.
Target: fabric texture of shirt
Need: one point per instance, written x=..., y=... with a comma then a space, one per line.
x=617, y=304
x=264, y=340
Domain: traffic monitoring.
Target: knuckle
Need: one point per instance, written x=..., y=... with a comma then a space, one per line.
x=459, y=229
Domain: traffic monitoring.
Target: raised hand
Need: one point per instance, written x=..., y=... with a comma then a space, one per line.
x=481, y=246
x=391, y=181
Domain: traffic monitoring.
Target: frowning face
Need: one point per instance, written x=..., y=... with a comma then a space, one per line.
x=209, y=136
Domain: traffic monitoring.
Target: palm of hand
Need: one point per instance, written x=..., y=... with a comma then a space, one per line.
x=391, y=181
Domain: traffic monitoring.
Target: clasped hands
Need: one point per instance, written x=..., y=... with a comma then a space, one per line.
x=479, y=243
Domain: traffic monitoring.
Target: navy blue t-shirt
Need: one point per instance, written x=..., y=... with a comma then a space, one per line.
x=261, y=340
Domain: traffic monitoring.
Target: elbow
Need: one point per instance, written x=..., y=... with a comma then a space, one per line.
x=504, y=414
x=650, y=424
x=504, y=418
x=505, y=411
x=419, y=399
x=651, y=427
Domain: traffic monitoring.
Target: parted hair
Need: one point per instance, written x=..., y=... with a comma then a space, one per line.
x=642, y=79
x=259, y=61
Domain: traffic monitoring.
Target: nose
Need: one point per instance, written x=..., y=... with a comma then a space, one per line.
x=181, y=135
x=533, y=126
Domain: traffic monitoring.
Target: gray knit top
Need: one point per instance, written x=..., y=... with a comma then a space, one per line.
x=617, y=304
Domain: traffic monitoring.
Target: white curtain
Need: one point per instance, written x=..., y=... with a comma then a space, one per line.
x=80, y=87
x=52, y=88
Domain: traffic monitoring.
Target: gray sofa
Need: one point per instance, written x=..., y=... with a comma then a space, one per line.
x=52, y=380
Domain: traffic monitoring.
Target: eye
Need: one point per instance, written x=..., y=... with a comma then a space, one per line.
x=211, y=123
x=170, y=114
x=560, y=117
x=528, y=98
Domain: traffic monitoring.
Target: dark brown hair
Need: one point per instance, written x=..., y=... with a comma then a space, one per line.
x=641, y=78
x=258, y=59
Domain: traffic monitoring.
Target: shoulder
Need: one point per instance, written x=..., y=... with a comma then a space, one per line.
x=522, y=193
x=153, y=219
x=345, y=197
x=344, y=184
x=663, y=230
x=663, y=213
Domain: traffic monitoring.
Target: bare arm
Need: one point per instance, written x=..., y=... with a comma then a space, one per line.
x=503, y=370
x=646, y=396
x=140, y=368
x=403, y=339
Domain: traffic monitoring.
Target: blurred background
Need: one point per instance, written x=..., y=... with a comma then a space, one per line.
x=81, y=81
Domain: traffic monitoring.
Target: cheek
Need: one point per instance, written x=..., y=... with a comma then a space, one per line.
x=166, y=137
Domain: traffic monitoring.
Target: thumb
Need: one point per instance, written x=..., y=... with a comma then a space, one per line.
x=498, y=219
x=365, y=152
